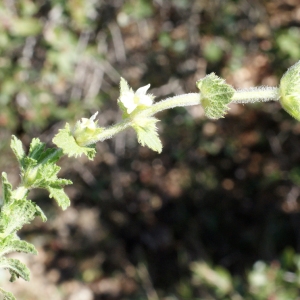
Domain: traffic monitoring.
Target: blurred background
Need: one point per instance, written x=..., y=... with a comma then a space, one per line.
x=216, y=214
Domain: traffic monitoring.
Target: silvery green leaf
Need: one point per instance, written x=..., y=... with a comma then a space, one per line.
x=14, y=215
x=15, y=267
x=13, y=244
x=17, y=148
x=6, y=189
x=59, y=195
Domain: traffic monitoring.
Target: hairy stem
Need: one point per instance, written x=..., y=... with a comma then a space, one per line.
x=114, y=129
x=176, y=101
x=257, y=94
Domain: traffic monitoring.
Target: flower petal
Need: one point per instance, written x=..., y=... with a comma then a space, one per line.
x=142, y=90
x=145, y=100
x=127, y=99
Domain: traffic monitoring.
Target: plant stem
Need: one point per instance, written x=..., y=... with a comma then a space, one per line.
x=176, y=101
x=257, y=94
x=112, y=130
x=182, y=100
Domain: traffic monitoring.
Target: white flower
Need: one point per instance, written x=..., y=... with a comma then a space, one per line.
x=131, y=100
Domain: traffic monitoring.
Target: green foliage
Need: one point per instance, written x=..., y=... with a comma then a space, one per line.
x=6, y=190
x=15, y=267
x=66, y=141
x=39, y=169
x=15, y=212
x=12, y=243
x=215, y=95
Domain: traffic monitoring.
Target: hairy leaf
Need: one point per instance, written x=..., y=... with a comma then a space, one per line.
x=39, y=171
x=15, y=267
x=146, y=131
x=17, y=148
x=39, y=212
x=36, y=148
x=215, y=95
x=38, y=152
x=12, y=243
x=59, y=195
x=46, y=178
x=15, y=215
x=28, y=162
x=6, y=189
x=65, y=140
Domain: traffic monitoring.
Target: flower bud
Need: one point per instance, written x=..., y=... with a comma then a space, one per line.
x=85, y=129
x=289, y=91
x=30, y=176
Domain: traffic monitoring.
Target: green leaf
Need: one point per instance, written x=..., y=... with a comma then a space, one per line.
x=146, y=131
x=39, y=212
x=28, y=163
x=36, y=148
x=15, y=215
x=215, y=95
x=39, y=171
x=37, y=152
x=46, y=178
x=289, y=90
x=59, y=195
x=50, y=155
x=17, y=148
x=7, y=295
x=15, y=267
x=46, y=174
x=65, y=140
x=6, y=189
x=12, y=243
